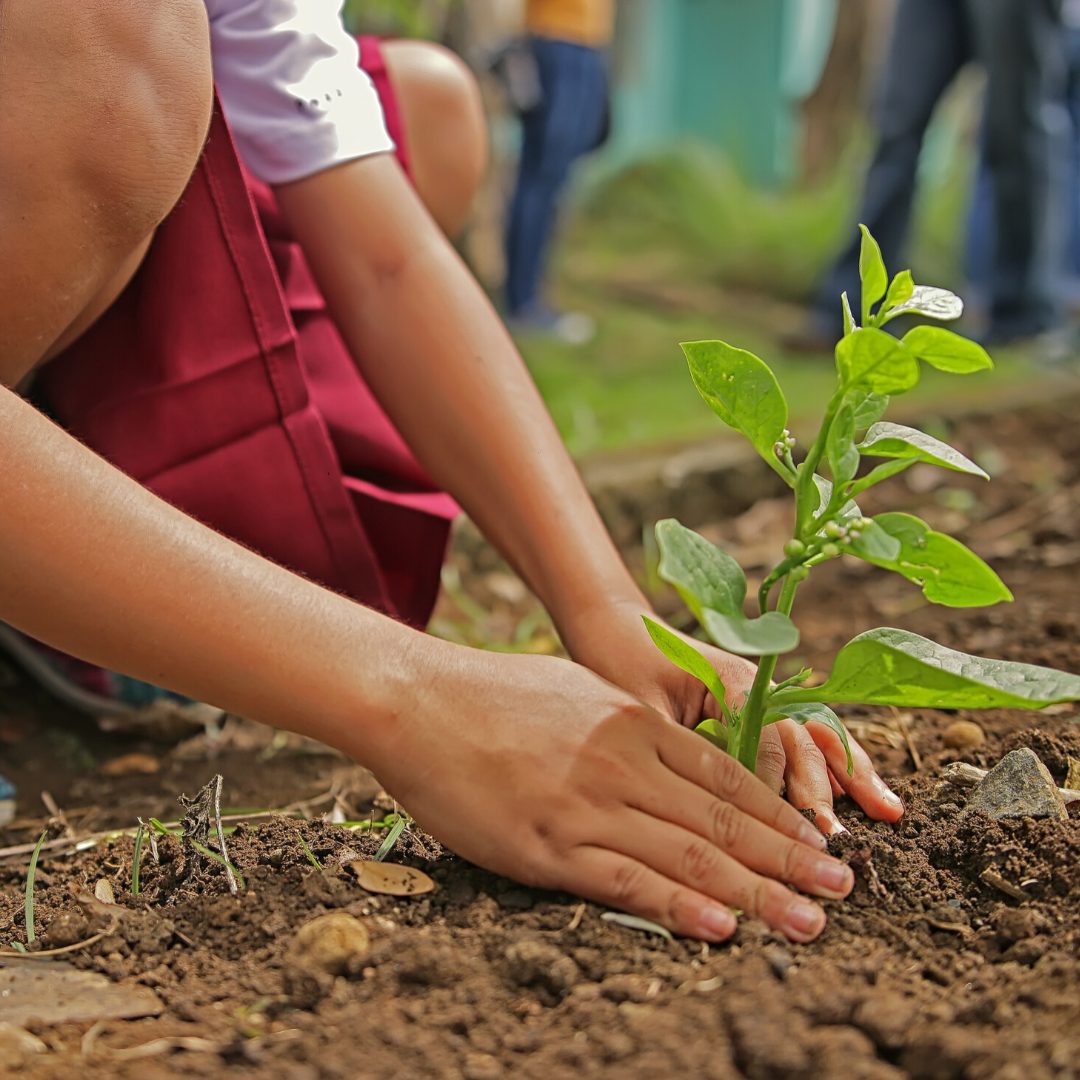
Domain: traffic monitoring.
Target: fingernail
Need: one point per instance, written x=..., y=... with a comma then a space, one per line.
x=888, y=796
x=809, y=834
x=831, y=823
x=804, y=920
x=716, y=924
x=834, y=877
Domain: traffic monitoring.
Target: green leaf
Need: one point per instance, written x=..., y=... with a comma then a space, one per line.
x=850, y=325
x=715, y=732
x=840, y=449
x=948, y=572
x=930, y=301
x=685, y=656
x=814, y=712
x=877, y=361
x=875, y=545
x=704, y=576
x=869, y=408
x=947, y=351
x=875, y=278
x=900, y=291
x=741, y=390
x=771, y=634
x=897, y=441
x=895, y=667
x=879, y=473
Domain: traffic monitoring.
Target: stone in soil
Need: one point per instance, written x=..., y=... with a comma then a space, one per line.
x=1020, y=785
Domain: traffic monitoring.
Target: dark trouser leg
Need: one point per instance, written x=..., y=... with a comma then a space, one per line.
x=928, y=47
x=565, y=126
x=1022, y=44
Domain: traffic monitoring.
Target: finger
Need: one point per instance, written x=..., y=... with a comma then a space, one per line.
x=697, y=864
x=807, y=777
x=771, y=760
x=863, y=784
x=837, y=790
x=725, y=828
x=691, y=757
x=628, y=885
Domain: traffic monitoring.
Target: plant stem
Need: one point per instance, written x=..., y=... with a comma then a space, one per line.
x=752, y=721
x=805, y=483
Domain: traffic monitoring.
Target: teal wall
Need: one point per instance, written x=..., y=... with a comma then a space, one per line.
x=727, y=72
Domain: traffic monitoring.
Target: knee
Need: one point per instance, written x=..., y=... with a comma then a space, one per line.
x=445, y=127
x=123, y=107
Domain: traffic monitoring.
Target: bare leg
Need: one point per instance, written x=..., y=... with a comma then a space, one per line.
x=445, y=127
x=106, y=106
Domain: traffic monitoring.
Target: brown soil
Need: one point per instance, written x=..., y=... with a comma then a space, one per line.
x=933, y=968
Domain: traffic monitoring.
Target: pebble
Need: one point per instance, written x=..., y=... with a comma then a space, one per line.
x=963, y=735
x=1019, y=785
x=330, y=943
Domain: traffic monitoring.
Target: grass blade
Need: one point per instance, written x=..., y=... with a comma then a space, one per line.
x=30, y=875
x=310, y=854
x=136, y=859
x=391, y=838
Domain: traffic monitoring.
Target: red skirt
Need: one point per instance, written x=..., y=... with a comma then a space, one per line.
x=219, y=381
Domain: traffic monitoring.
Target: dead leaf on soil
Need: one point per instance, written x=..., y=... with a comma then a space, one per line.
x=390, y=879
x=103, y=892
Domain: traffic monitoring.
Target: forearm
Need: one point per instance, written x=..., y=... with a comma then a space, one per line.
x=94, y=564
x=443, y=366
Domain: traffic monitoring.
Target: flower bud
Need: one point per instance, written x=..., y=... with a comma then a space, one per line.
x=830, y=551
x=832, y=530
x=794, y=548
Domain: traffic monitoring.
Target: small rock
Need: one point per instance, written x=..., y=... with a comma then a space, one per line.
x=330, y=943
x=18, y=1047
x=963, y=735
x=1019, y=785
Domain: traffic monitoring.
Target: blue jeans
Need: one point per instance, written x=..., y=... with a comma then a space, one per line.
x=567, y=124
x=1021, y=44
x=981, y=235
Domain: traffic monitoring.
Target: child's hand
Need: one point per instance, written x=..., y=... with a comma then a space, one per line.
x=537, y=769
x=809, y=762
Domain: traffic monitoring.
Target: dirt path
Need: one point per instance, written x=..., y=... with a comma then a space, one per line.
x=933, y=969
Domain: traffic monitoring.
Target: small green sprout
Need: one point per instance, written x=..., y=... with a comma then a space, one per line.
x=309, y=854
x=391, y=838
x=136, y=858
x=31, y=874
x=879, y=667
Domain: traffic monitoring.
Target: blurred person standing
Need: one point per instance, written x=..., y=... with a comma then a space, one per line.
x=1021, y=44
x=568, y=41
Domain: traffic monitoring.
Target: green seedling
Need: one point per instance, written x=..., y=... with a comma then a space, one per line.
x=879, y=667
x=31, y=874
x=136, y=859
x=309, y=854
x=391, y=838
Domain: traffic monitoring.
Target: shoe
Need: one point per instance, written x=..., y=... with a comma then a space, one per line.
x=569, y=327
x=7, y=800
x=117, y=702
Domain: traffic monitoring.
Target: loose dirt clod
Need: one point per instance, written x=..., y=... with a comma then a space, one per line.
x=1020, y=785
